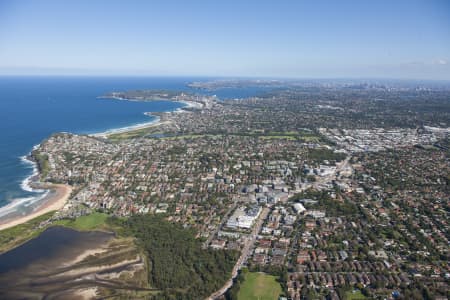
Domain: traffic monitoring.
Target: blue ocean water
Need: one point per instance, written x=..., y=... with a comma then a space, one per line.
x=32, y=108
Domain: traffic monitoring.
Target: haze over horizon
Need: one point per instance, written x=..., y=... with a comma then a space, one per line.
x=316, y=39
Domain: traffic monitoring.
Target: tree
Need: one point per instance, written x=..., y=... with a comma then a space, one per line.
x=178, y=264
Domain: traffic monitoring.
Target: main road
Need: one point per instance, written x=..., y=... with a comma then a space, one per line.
x=251, y=238
x=245, y=254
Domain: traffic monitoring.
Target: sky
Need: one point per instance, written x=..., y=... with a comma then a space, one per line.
x=279, y=38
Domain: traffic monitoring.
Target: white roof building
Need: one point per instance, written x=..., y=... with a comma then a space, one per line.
x=299, y=208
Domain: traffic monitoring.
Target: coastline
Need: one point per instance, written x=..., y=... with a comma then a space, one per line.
x=107, y=133
x=54, y=200
x=50, y=197
x=54, y=196
x=27, y=183
x=156, y=122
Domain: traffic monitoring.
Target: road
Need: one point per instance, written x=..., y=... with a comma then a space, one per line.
x=320, y=180
x=245, y=254
x=249, y=243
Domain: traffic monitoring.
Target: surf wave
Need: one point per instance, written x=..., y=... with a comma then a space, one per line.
x=156, y=120
x=128, y=128
x=16, y=204
x=26, y=182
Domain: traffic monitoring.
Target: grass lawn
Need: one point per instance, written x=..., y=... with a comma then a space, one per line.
x=275, y=137
x=17, y=235
x=14, y=236
x=89, y=222
x=310, y=138
x=259, y=286
x=354, y=295
x=129, y=134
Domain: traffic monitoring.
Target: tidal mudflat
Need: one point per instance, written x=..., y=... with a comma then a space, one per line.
x=63, y=262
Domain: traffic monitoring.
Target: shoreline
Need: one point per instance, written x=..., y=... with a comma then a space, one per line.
x=28, y=184
x=156, y=122
x=54, y=200
x=54, y=196
x=107, y=133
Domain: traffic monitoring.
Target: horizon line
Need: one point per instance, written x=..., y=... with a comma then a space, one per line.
x=228, y=77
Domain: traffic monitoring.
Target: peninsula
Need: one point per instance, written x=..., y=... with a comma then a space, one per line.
x=192, y=101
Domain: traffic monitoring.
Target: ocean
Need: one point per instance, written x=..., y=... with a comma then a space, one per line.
x=33, y=108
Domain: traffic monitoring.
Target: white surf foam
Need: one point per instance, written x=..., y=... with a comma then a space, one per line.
x=26, y=182
x=16, y=204
x=127, y=128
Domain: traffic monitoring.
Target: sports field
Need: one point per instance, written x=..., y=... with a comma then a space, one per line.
x=259, y=286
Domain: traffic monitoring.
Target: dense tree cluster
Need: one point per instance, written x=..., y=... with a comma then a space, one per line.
x=177, y=263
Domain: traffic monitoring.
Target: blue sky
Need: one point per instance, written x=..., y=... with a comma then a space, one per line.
x=305, y=39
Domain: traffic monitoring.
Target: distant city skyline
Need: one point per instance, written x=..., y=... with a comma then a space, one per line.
x=288, y=39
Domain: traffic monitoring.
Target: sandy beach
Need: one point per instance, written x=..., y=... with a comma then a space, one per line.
x=154, y=123
x=129, y=129
x=54, y=201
